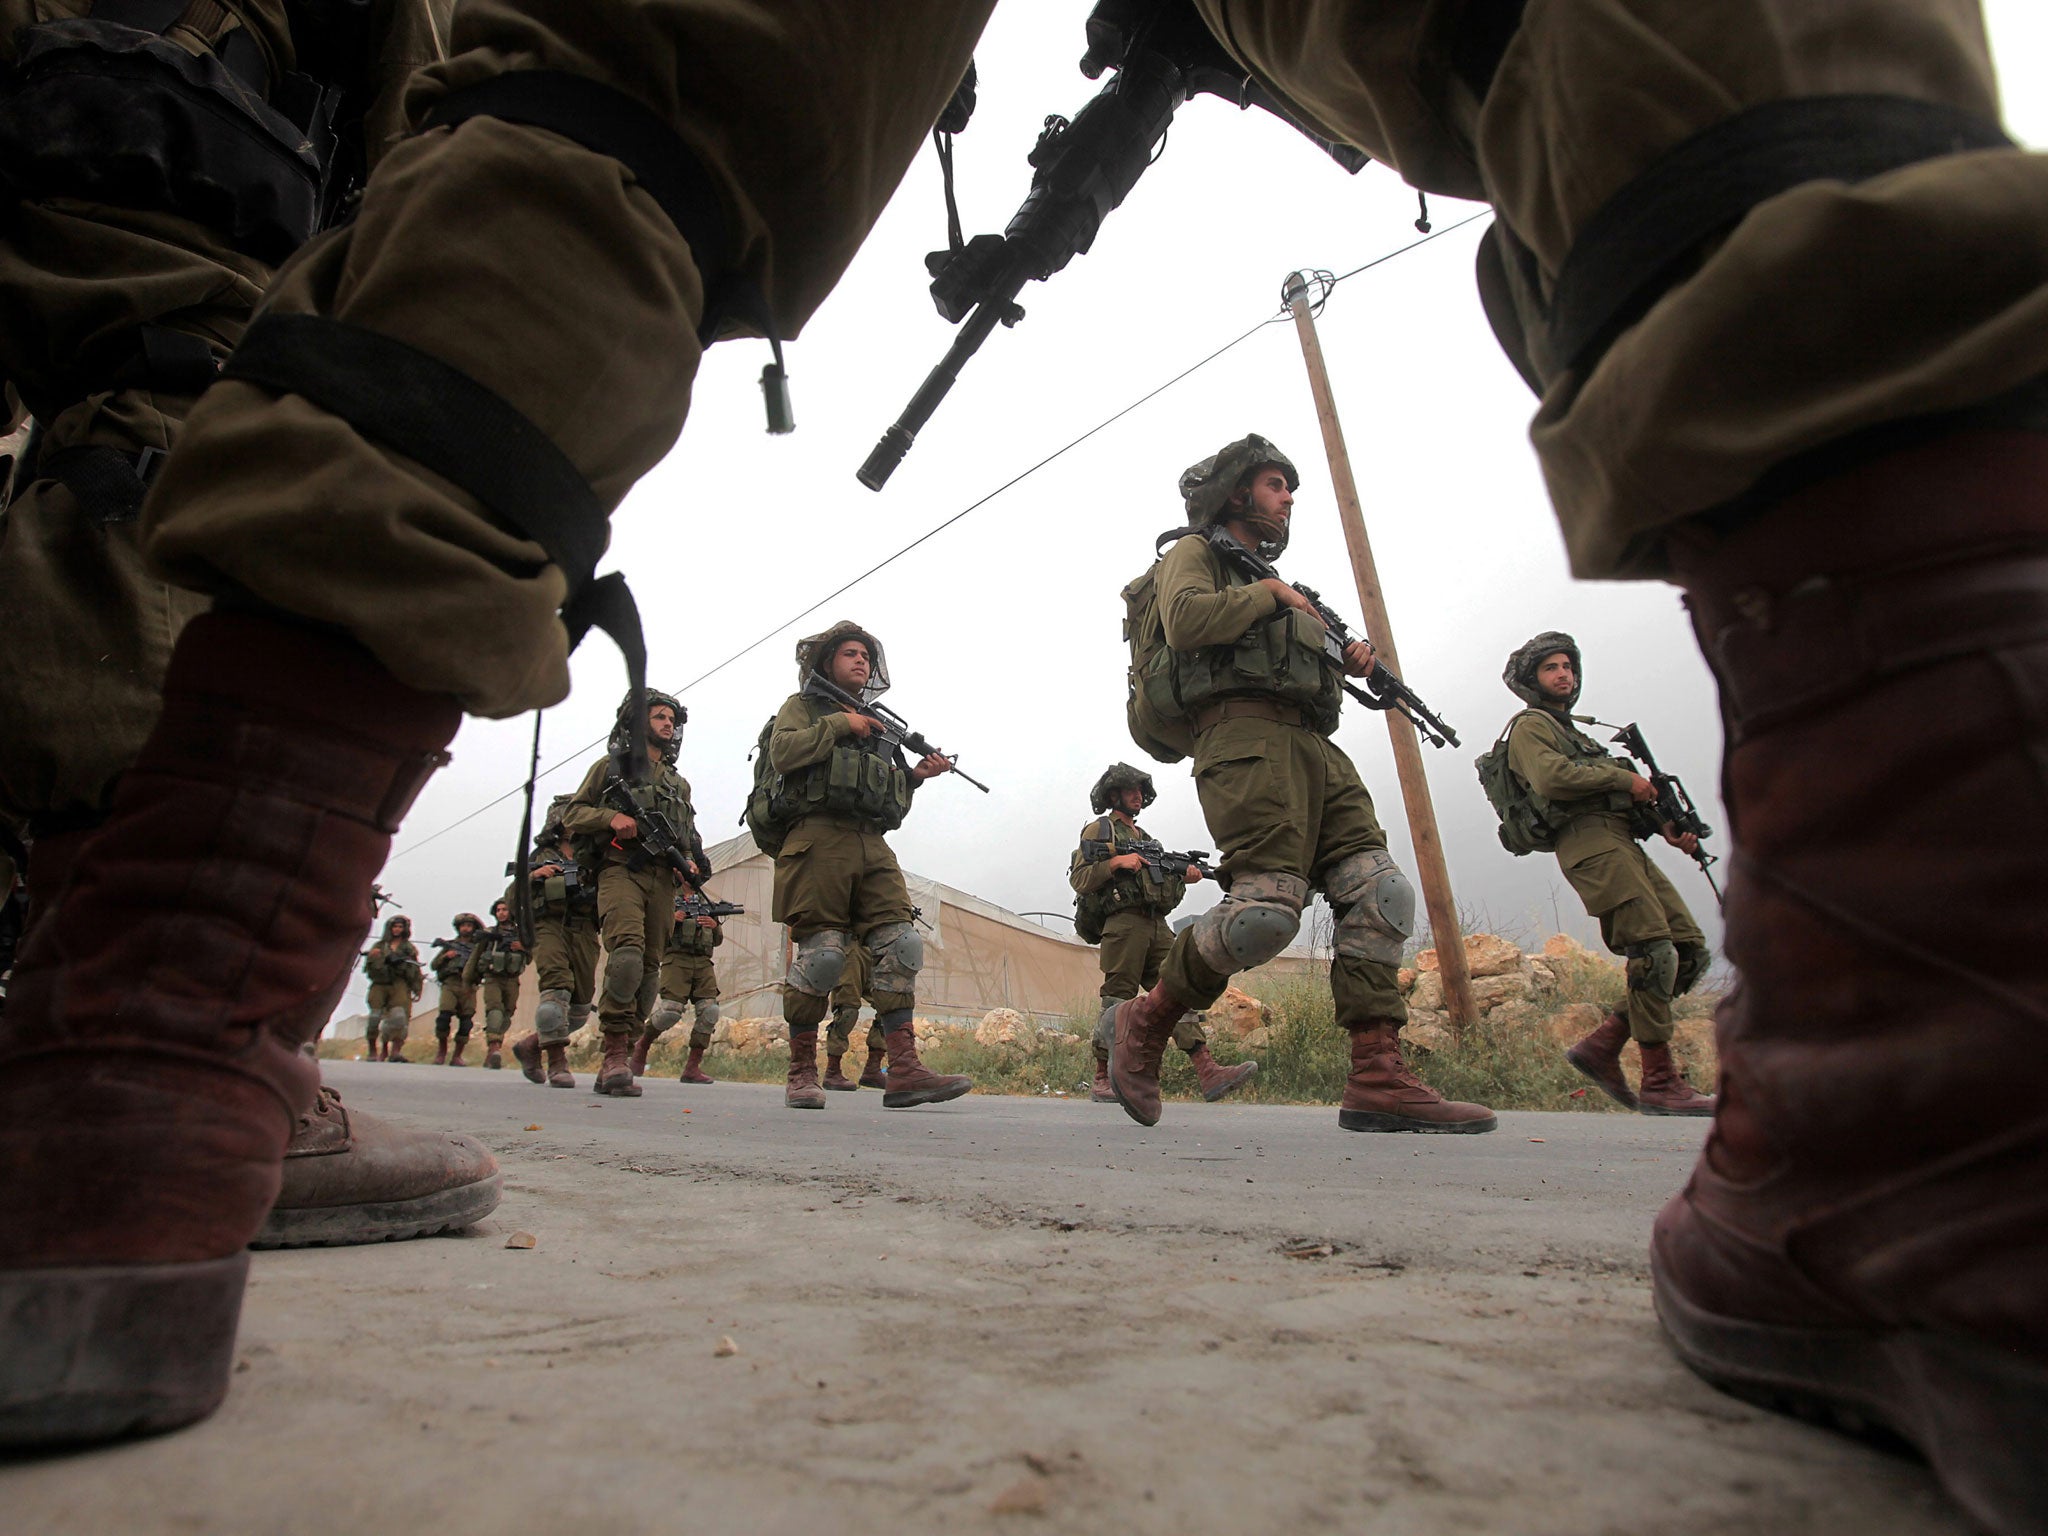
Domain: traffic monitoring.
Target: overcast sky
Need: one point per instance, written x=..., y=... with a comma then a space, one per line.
x=1003, y=632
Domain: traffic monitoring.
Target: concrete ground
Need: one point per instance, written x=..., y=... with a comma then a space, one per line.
x=998, y=1314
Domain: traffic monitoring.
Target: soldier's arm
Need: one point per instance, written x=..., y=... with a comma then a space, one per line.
x=586, y=814
x=1195, y=605
x=471, y=969
x=801, y=739
x=1536, y=752
x=1082, y=875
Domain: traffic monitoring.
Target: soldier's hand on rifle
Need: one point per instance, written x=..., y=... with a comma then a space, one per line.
x=544, y=872
x=1128, y=861
x=1640, y=789
x=1358, y=658
x=933, y=765
x=863, y=725
x=1687, y=843
x=1289, y=598
x=624, y=825
x=1194, y=874
x=707, y=922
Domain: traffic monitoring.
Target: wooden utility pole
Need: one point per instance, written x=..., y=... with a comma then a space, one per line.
x=1432, y=873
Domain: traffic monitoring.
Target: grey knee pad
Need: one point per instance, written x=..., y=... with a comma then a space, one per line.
x=1375, y=906
x=1694, y=960
x=623, y=969
x=898, y=954
x=1653, y=968
x=496, y=1021
x=551, y=1014
x=649, y=993
x=1251, y=925
x=579, y=1015
x=707, y=1013
x=666, y=1015
x=820, y=958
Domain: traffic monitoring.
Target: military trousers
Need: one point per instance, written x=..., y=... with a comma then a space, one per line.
x=1135, y=943
x=690, y=978
x=565, y=956
x=1636, y=905
x=501, y=1001
x=390, y=1005
x=458, y=997
x=831, y=874
x=635, y=910
x=846, y=1000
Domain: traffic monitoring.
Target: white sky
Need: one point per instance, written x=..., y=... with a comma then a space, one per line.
x=1003, y=633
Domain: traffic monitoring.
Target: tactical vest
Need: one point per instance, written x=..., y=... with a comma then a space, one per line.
x=396, y=964
x=689, y=939
x=855, y=782
x=1280, y=657
x=1529, y=822
x=665, y=792
x=499, y=959
x=449, y=962
x=570, y=896
x=1144, y=889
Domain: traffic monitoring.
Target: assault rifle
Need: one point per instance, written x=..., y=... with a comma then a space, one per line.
x=893, y=729
x=1382, y=689
x=1162, y=54
x=571, y=878
x=1674, y=807
x=1161, y=860
x=698, y=904
x=659, y=838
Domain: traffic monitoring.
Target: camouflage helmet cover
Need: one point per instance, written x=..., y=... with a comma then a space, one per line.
x=467, y=917
x=394, y=920
x=1206, y=487
x=558, y=810
x=1520, y=673
x=815, y=652
x=622, y=725
x=1117, y=777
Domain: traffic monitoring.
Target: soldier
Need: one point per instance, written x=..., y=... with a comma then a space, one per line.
x=1678, y=188
x=393, y=966
x=635, y=889
x=458, y=988
x=1238, y=672
x=1588, y=802
x=837, y=791
x=565, y=943
x=688, y=975
x=846, y=1000
x=1120, y=903
x=495, y=965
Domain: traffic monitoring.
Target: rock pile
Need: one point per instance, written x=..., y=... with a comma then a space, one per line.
x=1509, y=987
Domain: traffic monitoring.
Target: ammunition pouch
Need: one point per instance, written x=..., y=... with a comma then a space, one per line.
x=855, y=783
x=689, y=939
x=1280, y=657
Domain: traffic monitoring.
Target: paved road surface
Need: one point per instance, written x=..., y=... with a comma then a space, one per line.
x=999, y=1314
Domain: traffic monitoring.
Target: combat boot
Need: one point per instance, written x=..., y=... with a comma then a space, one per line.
x=1214, y=1078
x=440, y=1050
x=874, y=1073
x=693, y=1067
x=1598, y=1055
x=1142, y=1027
x=911, y=1082
x=837, y=1080
x=455, y=1053
x=526, y=1051
x=1665, y=1090
x=802, y=1091
x=1382, y=1094
x=615, y=1071
x=559, y=1075
x=151, y=1074
x=1101, y=1092
x=642, y=1044
x=1865, y=1236
x=494, y=1055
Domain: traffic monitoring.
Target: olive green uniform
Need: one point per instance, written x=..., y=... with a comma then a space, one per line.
x=1639, y=910
x=458, y=989
x=393, y=967
x=1130, y=908
x=846, y=999
x=635, y=892
x=1282, y=801
x=565, y=945
x=494, y=968
x=689, y=974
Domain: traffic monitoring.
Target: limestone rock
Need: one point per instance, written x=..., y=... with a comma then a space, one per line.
x=1237, y=1015
x=1428, y=991
x=1486, y=954
x=1562, y=946
x=1427, y=1029
x=1574, y=1022
x=1006, y=1027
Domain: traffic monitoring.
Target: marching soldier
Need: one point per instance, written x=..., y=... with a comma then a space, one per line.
x=846, y=1000
x=393, y=966
x=565, y=947
x=458, y=987
x=689, y=976
x=1588, y=802
x=495, y=964
x=1120, y=904
x=1237, y=671
x=834, y=791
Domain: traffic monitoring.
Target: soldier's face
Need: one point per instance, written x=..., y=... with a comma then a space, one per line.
x=661, y=723
x=501, y=913
x=850, y=666
x=1132, y=800
x=465, y=927
x=401, y=930
x=1268, y=503
x=1555, y=677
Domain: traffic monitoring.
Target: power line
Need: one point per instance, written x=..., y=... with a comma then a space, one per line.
x=935, y=530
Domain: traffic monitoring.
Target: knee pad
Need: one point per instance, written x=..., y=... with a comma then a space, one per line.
x=1694, y=960
x=551, y=1014
x=496, y=1021
x=898, y=954
x=579, y=1015
x=649, y=993
x=442, y=1023
x=1375, y=906
x=666, y=1015
x=815, y=968
x=623, y=969
x=1251, y=925
x=707, y=1013
x=1653, y=968
x=464, y=1025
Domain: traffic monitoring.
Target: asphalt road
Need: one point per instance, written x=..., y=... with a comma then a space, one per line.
x=998, y=1314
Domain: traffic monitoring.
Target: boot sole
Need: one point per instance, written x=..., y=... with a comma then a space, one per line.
x=1624, y=1097
x=818, y=1103
x=842, y=1087
x=107, y=1351
x=1978, y=1415
x=912, y=1097
x=1235, y=1083
x=1703, y=1112
x=384, y=1221
x=1379, y=1120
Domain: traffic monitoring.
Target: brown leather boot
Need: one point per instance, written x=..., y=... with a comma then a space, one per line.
x=1598, y=1055
x=352, y=1178
x=1143, y=1026
x=1866, y=1233
x=526, y=1051
x=1665, y=1090
x=837, y=1080
x=1382, y=1094
x=150, y=1065
x=875, y=1072
x=559, y=1075
x=642, y=1044
x=911, y=1082
x=440, y=1050
x=615, y=1071
x=693, y=1067
x=1101, y=1092
x=1214, y=1078
x=494, y=1055
x=802, y=1090
x=455, y=1052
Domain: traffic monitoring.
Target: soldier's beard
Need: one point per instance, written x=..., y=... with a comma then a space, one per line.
x=1272, y=532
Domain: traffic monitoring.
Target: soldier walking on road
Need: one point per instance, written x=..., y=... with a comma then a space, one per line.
x=565, y=946
x=689, y=977
x=846, y=1001
x=824, y=796
x=1121, y=903
x=1591, y=807
x=494, y=968
x=1238, y=673
x=393, y=966
x=458, y=987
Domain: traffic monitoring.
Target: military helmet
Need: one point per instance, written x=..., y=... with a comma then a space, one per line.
x=394, y=920
x=1520, y=673
x=623, y=724
x=1117, y=777
x=468, y=917
x=1207, y=487
x=815, y=652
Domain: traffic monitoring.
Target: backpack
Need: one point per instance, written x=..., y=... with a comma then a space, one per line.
x=768, y=814
x=1150, y=708
x=1522, y=828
